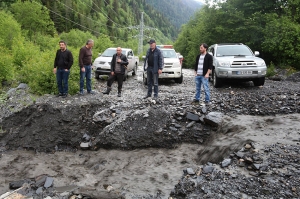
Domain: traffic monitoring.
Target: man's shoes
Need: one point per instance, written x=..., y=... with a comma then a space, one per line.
x=195, y=101
x=119, y=94
x=80, y=92
x=65, y=95
x=207, y=103
x=146, y=96
x=107, y=91
x=91, y=92
x=59, y=95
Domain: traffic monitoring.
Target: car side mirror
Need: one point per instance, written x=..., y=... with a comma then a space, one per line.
x=210, y=53
x=180, y=57
x=256, y=53
x=99, y=54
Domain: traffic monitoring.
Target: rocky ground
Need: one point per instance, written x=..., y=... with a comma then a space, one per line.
x=244, y=145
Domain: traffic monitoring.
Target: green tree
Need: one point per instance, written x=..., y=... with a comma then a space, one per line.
x=33, y=17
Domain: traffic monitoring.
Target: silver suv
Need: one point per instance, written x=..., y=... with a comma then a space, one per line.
x=236, y=61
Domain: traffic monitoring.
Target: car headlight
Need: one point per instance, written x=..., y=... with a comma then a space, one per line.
x=176, y=65
x=224, y=63
x=261, y=63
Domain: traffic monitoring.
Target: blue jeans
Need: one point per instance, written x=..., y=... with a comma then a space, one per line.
x=152, y=80
x=88, y=76
x=199, y=80
x=62, y=78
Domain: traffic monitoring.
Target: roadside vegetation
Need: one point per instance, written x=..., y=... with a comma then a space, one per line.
x=270, y=27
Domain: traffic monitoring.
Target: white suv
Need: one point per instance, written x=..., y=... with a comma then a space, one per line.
x=236, y=61
x=172, y=68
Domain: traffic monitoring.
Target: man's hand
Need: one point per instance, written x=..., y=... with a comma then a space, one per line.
x=159, y=71
x=112, y=73
x=54, y=70
x=83, y=69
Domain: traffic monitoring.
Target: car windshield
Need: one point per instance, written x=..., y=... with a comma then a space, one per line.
x=109, y=52
x=169, y=53
x=238, y=50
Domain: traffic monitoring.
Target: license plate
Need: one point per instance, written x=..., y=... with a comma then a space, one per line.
x=165, y=74
x=244, y=72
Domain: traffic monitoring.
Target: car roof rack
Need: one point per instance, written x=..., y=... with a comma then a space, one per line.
x=230, y=44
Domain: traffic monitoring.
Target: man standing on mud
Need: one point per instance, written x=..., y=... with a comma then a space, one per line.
x=153, y=65
x=118, y=66
x=62, y=64
x=203, y=66
x=85, y=63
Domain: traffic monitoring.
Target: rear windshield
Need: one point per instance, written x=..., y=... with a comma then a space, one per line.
x=238, y=50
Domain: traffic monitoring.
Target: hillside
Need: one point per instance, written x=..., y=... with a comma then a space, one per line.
x=178, y=12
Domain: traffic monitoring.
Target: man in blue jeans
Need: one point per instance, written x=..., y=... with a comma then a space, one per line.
x=203, y=66
x=85, y=63
x=62, y=64
x=154, y=66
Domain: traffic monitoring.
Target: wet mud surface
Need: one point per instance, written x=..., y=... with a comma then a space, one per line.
x=104, y=146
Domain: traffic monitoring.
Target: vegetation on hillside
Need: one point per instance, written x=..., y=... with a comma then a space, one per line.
x=271, y=27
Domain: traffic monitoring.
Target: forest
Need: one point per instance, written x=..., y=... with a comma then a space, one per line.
x=31, y=29
x=271, y=27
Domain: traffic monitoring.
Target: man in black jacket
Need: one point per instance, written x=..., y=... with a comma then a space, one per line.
x=118, y=67
x=62, y=64
x=203, y=66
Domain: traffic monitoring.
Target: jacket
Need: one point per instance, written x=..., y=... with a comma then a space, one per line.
x=207, y=63
x=158, y=60
x=124, y=63
x=68, y=59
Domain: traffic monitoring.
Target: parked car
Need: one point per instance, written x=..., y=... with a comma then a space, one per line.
x=172, y=67
x=236, y=61
x=102, y=63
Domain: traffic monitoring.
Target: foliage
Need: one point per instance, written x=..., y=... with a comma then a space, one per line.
x=6, y=65
x=271, y=70
x=33, y=18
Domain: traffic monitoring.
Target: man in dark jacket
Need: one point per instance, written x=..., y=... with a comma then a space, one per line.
x=62, y=64
x=203, y=67
x=118, y=67
x=153, y=65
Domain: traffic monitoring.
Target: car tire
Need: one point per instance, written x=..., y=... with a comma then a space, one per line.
x=259, y=81
x=216, y=80
x=97, y=75
x=134, y=71
x=144, y=79
x=179, y=80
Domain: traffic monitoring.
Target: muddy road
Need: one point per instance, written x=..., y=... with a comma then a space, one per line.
x=104, y=146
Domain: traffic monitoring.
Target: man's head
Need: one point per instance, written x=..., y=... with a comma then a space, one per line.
x=62, y=45
x=152, y=43
x=90, y=43
x=203, y=48
x=119, y=51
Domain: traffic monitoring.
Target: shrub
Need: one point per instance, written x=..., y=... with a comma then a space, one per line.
x=271, y=70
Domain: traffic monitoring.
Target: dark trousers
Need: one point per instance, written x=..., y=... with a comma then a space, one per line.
x=152, y=80
x=117, y=76
x=62, y=78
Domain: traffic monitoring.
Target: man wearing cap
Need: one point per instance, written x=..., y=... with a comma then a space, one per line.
x=153, y=65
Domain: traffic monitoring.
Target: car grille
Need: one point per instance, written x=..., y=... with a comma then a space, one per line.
x=168, y=65
x=243, y=64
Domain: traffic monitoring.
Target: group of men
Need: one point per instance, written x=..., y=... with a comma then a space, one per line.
x=153, y=64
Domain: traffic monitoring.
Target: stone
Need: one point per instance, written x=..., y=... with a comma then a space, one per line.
x=226, y=163
x=193, y=117
x=22, y=86
x=214, y=118
x=39, y=190
x=48, y=182
x=189, y=125
x=190, y=171
x=40, y=180
x=208, y=169
x=85, y=145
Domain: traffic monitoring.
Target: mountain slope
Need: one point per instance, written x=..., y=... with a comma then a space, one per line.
x=178, y=12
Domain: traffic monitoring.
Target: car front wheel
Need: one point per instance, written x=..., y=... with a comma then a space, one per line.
x=144, y=79
x=216, y=80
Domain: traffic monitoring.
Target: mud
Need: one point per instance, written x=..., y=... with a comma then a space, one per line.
x=140, y=147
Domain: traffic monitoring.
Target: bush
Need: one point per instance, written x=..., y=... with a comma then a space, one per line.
x=271, y=70
x=6, y=69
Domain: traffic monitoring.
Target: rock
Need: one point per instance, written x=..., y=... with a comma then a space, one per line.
x=208, y=169
x=193, y=117
x=39, y=190
x=22, y=86
x=85, y=145
x=226, y=163
x=189, y=125
x=214, y=118
x=40, y=180
x=190, y=171
x=48, y=182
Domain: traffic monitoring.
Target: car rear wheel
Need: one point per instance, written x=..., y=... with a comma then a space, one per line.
x=144, y=79
x=259, y=81
x=134, y=72
x=216, y=80
x=179, y=80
